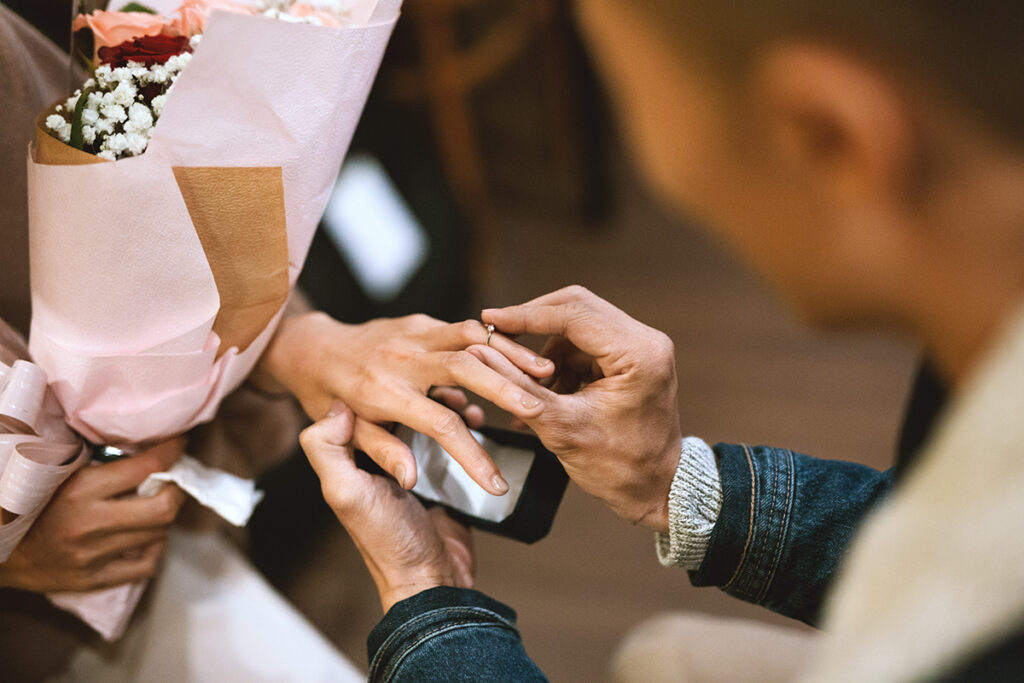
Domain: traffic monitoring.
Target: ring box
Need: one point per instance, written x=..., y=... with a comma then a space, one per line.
x=537, y=482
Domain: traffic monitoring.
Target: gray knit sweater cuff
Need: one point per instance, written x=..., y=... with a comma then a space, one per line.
x=693, y=505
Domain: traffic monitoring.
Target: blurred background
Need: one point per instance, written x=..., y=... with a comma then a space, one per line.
x=486, y=171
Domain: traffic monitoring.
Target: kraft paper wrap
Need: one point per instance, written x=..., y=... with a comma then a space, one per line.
x=158, y=280
x=238, y=214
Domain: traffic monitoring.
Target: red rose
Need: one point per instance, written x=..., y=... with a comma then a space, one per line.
x=148, y=50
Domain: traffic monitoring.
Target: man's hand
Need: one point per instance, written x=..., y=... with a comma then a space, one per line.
x=384, y=369
x=406, y=547
x=617, y=433
x=91, y=535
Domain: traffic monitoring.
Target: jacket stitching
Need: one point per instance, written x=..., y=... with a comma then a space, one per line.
x=787, y=508
x=468, y=615
x=765, y=539
x=750, y=526
x=405, y=651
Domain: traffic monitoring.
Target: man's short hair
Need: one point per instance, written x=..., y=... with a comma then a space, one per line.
x=971, y=51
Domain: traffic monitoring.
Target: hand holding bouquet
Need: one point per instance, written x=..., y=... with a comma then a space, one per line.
x=172, y=201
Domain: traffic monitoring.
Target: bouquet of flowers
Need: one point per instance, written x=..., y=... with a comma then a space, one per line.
x=172, y=200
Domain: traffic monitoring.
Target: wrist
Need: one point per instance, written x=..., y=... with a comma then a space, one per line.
x=392, y=593
x=293, y=345
x=657, y=516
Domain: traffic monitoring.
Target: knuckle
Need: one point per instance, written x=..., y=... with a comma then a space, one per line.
x=147, y=465
x=151, y=563
x=664, y=347
x=308, y=438
x=578, y=291
x=79, y=528
x=389, y=453
x=457, y=361
x=73, y=489
x=580, y=310
x=81, y=558
x=165, y=509
x=509, y=391
x=469, y=330
x=335, y=498
x=420, y=320
x=446, y=423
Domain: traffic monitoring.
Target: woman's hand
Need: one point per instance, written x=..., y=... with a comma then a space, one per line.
x=407, y=548
x=384, y=369
x=91, y=536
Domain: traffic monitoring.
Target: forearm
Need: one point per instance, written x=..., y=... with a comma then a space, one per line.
x=784, y=523
x=449, y=634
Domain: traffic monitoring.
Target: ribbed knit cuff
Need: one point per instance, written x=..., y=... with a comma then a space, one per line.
x=694, y=501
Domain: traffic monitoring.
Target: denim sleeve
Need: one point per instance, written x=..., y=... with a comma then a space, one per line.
x=450, y=635
x=785, y=523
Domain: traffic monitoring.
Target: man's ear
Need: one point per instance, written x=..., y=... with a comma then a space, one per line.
x=836, y=121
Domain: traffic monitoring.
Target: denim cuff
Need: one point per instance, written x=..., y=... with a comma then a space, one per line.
x=757, y=501
x=413, y=621
x=784, y=526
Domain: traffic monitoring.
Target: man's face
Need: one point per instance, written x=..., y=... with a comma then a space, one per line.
x=699, y=145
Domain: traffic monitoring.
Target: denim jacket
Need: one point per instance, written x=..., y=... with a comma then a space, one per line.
x=785, y=520
x=785, y=523
x=449, y=635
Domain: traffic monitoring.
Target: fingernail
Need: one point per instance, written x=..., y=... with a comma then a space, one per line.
x=487, y=311
x=400, y=475
x=528, y=402
x=542, y=361
x=500, y=485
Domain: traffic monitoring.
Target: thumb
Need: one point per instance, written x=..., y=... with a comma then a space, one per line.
x=325, y=441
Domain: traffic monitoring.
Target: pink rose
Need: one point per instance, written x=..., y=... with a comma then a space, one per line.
x=114, y=28
x=191, y=17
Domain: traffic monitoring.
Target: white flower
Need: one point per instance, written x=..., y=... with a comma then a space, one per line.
x=116, y=143
x=140, y=119
x=108, y=155
x=105, y=126
x=158, y=74
x=158, y=104
x=136, y=142
x=193, y=42
x=95, y=101
x=88, y=134
x=124, y=94
x=178, y=62
x=122, y=74
x=58, y=125
x=114, y=112
x=91, y=83
x=89, y=116
x=102, y=75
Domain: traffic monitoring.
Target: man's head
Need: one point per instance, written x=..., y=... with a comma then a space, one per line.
x=864, y=155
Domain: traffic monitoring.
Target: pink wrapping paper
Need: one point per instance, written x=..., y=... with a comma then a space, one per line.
x=37, y=450
x=158, y=280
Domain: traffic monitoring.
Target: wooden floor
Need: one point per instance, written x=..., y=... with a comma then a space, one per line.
x=747, y=371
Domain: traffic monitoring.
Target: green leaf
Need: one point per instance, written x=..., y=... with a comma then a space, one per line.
x=136, y=7
x=77, y=141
